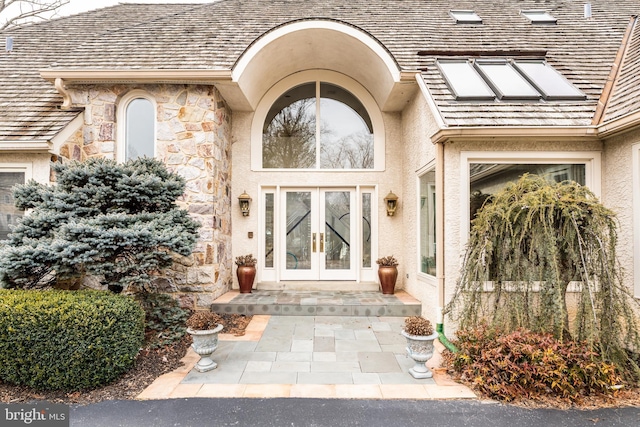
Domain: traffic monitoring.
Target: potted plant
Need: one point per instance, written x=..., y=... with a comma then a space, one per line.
x=387, y=273
x=246, y=272
x=204, y=326
x=420, y=336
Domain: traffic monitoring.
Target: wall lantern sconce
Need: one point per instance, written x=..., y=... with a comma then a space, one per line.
x=391, y=203
x=245, y=203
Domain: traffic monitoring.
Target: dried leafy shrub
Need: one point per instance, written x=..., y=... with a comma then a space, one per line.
x=203, y=320
x=418, y=325
x=247, y=260
x=387, y=261
x=528, y=365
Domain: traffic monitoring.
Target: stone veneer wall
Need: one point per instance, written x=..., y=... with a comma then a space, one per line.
x=193, y=137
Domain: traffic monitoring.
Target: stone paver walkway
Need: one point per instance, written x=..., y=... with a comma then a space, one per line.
x=310, y=356
x=318, y=303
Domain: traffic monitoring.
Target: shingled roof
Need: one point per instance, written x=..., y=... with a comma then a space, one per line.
x=625, y=97
x=29, y=105
x=213, y=37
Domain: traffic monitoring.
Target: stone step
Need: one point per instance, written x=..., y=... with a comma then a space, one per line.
x=318, y=303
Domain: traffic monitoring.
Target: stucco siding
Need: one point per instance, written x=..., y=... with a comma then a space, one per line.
x=455, y=206
x=245, y=179
x=618, y=193
x=418, y=151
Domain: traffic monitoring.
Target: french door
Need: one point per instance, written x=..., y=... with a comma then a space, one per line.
x=319, y=234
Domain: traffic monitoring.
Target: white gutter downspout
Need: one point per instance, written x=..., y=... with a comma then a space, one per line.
x=440, y=276
x=440, y=246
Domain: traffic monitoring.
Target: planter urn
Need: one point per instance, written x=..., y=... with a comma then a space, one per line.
x=420, y=348
x=205, y=342
x=388, y=276
x=246, y=274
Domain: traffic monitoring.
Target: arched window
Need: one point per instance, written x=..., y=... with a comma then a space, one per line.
x=317, y=125
x=137, y=137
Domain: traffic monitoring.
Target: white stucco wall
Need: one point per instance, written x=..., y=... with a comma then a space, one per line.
x=39, y=162
x=617, y=191
x=454, y=212
x=418, y=125
x=243, y=178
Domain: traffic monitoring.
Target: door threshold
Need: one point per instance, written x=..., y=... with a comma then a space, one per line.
x=318, y=286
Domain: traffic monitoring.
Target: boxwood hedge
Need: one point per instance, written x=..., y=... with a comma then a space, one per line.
x=67, y=340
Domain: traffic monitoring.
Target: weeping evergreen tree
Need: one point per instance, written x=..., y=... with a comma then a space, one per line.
x=116, y=222
x=534, y=246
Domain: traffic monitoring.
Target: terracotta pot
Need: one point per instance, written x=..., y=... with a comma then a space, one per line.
x=388, y=276
x=246, y=274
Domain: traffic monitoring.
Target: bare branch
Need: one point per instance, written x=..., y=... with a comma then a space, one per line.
x=18, y=12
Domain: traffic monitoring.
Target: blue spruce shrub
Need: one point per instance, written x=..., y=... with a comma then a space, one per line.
x=115, y=221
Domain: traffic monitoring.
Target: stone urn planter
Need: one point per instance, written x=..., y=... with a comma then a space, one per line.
x=203, y=327
x=246, y=272
x=420, y=337
x=388, y=274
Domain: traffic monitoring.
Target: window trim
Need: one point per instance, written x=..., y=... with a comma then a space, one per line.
x=429, y=167
x=121, y=124
x=27, y=168
x=635, y=160
x=591, y=160
x=327, y=76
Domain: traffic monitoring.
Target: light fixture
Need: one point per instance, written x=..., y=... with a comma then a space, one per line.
x=245, y=201
x=391, y=202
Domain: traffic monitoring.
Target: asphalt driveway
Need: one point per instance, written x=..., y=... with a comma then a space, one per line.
x=336, y=413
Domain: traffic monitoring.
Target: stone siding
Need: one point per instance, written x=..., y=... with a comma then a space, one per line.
x=193, y=138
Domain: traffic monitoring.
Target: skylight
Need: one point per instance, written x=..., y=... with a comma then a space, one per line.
x=465, y=17
x=551, y=84
x=538, y=16
x=465, y=83
x=505, y=81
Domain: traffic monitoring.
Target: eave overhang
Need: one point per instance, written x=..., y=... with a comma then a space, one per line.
x=25, y=146
x=622, y=124
x=221, y=79
x=556, y=133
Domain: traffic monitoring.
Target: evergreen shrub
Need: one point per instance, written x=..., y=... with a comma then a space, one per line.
x=117, y=222
x=165, y=320
x=66, y=340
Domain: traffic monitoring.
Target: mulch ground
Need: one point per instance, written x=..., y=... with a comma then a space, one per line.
x=149, y=365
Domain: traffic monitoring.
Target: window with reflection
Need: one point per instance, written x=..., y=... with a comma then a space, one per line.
x=9, y=214
x=140, y=136
x=428, y=223
x=317, y=125
x=489, y=178
x=269, y=229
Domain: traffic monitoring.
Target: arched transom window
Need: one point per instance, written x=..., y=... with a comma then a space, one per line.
x=317, y=125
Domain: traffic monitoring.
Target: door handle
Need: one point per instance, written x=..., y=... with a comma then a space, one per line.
x=314, y=242
x=321, y=242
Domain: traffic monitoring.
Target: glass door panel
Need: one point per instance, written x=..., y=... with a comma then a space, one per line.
x=338, y=231
x=319, y=234
x=300, y=260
